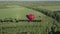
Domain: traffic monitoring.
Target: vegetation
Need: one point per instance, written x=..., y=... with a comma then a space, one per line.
x=19, y=10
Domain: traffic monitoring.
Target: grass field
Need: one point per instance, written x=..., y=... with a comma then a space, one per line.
x=19, y=12
x=50, y=7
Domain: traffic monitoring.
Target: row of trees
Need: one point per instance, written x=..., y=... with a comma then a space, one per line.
x=12, y=20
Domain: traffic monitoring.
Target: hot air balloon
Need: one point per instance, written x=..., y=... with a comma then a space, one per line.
x=31, y=17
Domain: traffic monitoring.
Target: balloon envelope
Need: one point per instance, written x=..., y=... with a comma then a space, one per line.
x=31, y=17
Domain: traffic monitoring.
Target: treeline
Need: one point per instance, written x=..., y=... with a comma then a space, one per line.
x=53, y=14
x=11, y=20
x=17, y=20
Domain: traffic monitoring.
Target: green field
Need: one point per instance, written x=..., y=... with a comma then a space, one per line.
x=20, y=12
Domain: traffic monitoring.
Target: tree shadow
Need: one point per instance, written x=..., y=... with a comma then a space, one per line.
x=19, y=21
x=27, y=16
x=28, y=21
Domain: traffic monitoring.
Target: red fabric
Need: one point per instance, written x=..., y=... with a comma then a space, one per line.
x=31, y=17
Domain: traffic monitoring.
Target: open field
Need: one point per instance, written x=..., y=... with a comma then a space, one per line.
x=19, y=11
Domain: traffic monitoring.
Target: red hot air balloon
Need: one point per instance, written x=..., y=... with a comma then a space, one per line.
x=31, y=17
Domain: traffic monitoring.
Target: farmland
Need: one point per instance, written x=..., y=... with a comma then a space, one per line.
x=19, y=10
